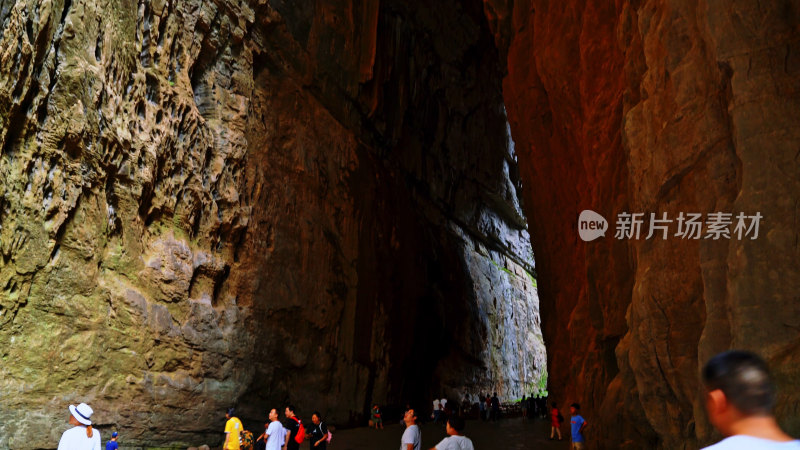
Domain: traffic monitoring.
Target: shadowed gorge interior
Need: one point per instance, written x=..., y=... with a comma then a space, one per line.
x=216, y=203
x=255, y=204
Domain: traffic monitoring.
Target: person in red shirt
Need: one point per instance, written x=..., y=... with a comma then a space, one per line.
x=555, y=422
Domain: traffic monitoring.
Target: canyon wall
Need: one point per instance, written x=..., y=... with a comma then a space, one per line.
x=206, y=204
x=658, y=107
x=209, y=203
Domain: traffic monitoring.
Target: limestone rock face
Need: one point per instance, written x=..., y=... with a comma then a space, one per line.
x=205, y=204
x=251, y=202
x=657, y=107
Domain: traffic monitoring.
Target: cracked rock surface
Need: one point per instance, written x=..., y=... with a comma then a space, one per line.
x=209, y=203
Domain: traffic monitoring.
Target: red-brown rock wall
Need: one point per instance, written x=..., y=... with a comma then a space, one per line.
x=656, y=107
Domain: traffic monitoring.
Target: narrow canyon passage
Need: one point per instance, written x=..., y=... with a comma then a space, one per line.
x=333, y=203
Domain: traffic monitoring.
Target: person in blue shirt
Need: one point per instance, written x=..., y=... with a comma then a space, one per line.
x=112, y=444
x=577, y=425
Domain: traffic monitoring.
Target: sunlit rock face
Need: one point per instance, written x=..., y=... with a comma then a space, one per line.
x=205, y=204
x=657, y=107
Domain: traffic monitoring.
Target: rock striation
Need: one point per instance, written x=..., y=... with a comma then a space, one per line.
x=248, y=202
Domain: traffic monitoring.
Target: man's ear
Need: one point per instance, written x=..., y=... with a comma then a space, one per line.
x=717, y=402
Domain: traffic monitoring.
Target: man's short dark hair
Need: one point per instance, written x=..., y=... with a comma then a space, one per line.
x=290, y=407
x=457, y=423
x=744, y=379
x=577, y=406
x=231, y=411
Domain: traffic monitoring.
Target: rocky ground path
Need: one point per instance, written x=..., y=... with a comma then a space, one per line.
x=508, y=434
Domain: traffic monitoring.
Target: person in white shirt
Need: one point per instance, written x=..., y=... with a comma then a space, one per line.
x=454, y=440
x=740, y=397
x=275, y=433
x=81, y=436
x=412, y=437
x=436, y=410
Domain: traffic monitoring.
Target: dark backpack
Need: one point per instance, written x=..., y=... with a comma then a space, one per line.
x=301, y=431
x=560, y=418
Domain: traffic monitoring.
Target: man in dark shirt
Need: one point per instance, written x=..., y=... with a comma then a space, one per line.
x=495, y=407
x=292, y=424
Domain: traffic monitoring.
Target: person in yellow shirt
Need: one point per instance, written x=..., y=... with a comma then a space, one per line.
x=232, y=429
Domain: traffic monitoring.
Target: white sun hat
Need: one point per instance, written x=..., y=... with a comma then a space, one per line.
x=82, y=413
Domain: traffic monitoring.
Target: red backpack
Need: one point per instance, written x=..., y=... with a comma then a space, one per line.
x=301, y=431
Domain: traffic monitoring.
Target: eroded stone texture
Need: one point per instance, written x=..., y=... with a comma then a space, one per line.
x=214, y=203
x=653, y=107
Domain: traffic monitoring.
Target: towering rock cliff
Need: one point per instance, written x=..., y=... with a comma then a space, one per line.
x=318, y=201
x=214, y=203
x=658, y=107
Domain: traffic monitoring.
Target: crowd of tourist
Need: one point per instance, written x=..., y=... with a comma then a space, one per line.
x=739, y=399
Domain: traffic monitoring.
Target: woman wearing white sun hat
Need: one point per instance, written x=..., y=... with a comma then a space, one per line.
x=81, y=436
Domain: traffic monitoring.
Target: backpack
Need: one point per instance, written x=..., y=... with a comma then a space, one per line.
x=301, y=431
x=560, y=418
x=246, y=440
x=329, y=436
